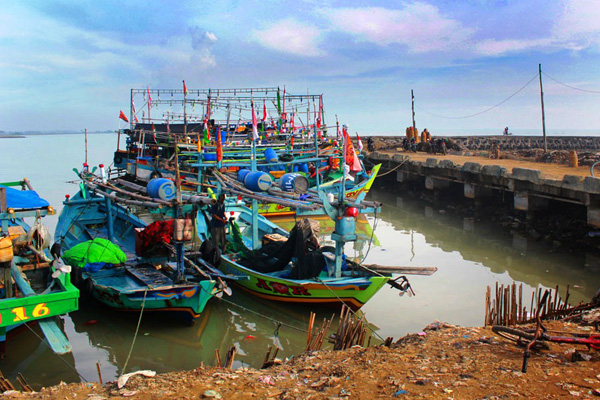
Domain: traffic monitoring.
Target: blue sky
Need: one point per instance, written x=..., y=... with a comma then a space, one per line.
x=71, y=64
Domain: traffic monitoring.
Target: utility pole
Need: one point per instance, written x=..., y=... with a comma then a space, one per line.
x=543, y=114
x=412, y=95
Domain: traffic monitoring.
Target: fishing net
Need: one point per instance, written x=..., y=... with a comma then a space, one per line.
x=301, y=247
x=98, y=250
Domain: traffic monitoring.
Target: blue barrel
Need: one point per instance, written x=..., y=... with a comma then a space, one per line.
x=161, y=188
x=271, y=156
x=258, y=181
x=209, y=156
x=293, y=182
x=242, y=174
x=303, y=167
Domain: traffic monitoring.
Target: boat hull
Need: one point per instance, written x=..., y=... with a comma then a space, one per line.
x=353, y=292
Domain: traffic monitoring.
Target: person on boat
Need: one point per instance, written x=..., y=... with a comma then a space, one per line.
x=506, y=131
x=218, y=222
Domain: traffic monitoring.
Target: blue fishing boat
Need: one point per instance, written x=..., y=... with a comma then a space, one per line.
x=42, y=286
x=123, y=261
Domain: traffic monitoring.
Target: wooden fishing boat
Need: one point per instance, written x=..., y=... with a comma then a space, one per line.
x=280, y=146
x=353, y=285
x=42, y=286
x=142, y=280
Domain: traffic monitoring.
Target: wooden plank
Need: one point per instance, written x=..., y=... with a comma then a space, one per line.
x=55, y=336
x=404, y=270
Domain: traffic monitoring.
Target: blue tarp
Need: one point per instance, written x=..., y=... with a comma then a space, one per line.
x=18, y=199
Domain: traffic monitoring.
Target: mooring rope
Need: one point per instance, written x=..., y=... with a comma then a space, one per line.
x=349, y=308
x=393, y=169
x=136, y=333
x=59, y=356
x=279, y=323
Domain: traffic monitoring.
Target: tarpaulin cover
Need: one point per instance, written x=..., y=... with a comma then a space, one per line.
x=18, y=199
x=94, y=251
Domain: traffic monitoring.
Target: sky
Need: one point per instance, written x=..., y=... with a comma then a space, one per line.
x=471, y=64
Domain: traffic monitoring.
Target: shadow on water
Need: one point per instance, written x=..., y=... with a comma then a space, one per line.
x=524, y=260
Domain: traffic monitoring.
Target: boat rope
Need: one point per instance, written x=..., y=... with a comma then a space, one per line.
x=370, y=241
x=59, y=356
x=349, y=308
x=137, y=329
x=276, y=321
x=393, y=169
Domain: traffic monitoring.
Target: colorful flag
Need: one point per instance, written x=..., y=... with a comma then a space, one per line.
x=351, y=157
x=219, y=145
x=206, y=137
x=185, y=89
x=359, y=143
x=254, y=124
x=292, y=141
x=123, y=117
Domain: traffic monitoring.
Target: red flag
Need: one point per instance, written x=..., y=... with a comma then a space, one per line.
x=219, y=145
x=351, y=157
x=292, y=141
x=264, y=111
x=184, y=88
x=123, y=117
x=359, y=142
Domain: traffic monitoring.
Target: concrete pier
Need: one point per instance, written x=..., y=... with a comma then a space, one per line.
x=535, y=187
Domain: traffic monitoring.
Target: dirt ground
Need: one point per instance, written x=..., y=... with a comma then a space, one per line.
x=441, y=362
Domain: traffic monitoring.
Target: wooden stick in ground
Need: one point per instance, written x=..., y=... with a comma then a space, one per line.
x=230, y=357
x=99, y=372
x=267, y=358
x=218, y=358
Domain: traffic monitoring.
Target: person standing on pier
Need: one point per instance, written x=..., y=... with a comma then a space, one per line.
x=218, y=222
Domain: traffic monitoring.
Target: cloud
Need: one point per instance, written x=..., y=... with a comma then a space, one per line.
x=579, y=25
x=291, y=36
x=419, y=26
x=576, y=27
x=498, y=47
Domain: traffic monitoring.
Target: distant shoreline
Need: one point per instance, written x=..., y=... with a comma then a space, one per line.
x=26, y=134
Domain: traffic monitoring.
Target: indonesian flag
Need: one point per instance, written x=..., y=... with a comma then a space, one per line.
x=254, y=124
x=219, y=145
x=149, y=103
x=134, y=112
x=359, y=144
x=184, y=88
x=351, y=157
x=319, y=114
x=123, y=117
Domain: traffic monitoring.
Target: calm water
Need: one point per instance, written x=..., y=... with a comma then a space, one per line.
x=469, y=257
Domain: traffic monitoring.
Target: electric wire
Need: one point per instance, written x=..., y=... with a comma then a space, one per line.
x=486, y=110
x=569, y=86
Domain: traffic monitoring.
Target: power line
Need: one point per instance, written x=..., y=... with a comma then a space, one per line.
x=484, y=111
x=569, y=86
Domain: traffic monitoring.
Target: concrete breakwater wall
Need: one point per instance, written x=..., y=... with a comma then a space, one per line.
x=511, y=142
x=528, y=190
